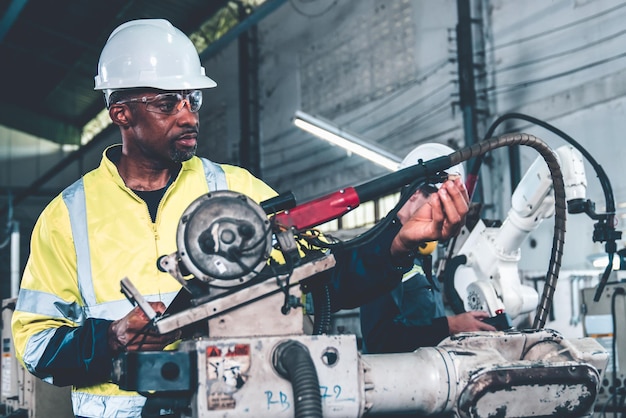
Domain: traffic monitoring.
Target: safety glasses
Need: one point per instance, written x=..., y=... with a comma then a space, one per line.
x=169, y=103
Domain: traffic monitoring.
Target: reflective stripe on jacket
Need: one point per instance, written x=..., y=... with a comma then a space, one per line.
x=87, y=239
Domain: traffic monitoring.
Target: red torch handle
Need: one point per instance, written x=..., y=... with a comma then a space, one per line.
x=319, y=210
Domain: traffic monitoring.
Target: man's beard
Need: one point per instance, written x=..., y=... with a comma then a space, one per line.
x=178, y=156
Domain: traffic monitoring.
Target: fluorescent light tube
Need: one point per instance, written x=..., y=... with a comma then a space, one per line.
x=336, y=136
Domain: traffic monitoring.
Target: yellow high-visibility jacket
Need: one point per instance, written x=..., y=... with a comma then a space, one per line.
x=96, y=232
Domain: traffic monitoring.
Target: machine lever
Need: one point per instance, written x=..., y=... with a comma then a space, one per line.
x=132, y=294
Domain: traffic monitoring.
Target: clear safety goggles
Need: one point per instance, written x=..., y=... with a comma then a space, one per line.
x=169, y=103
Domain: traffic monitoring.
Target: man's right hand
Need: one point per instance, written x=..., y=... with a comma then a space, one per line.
x=440, y=218
x=133, y=332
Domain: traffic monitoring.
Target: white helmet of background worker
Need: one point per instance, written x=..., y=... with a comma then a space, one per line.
x=427, y=152
x=149, y=53
x=430, y=151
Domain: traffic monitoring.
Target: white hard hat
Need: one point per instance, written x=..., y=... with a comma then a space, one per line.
x=150, y=53
x=430, y=151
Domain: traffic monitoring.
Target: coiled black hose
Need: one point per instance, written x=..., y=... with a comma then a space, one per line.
x=321, y=310
x=292, y=361
x=560, y=207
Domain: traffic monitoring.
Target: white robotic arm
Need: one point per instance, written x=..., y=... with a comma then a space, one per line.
x=489, y=280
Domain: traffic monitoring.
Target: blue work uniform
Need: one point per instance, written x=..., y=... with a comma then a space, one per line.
x=410, y=316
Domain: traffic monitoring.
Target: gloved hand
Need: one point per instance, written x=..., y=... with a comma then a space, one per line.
x=132, y=332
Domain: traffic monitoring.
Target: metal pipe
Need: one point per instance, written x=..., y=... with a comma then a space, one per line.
x=388, y=388
x=15, y=259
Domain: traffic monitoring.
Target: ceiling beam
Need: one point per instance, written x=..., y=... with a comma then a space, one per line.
x=37, y=185
x=259, y=14
x=38, y=125
x=10, y=16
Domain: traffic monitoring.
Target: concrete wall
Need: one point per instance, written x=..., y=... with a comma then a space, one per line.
x=363, y=65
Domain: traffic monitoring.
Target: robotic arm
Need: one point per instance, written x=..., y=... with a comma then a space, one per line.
x=489, y=280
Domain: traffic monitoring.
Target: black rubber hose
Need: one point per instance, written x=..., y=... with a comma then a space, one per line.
x=560, y=207
x=292, y=361
x=321, y=310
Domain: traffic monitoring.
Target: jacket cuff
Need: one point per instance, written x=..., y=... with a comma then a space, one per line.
x=399, y=263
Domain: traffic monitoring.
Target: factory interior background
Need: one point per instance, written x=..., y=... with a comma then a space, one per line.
x=393, y=73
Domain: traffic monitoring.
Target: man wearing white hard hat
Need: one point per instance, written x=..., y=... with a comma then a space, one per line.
x=413, y=314
x=71, y=320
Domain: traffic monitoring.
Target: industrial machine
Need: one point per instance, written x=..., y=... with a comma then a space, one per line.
x=244, y=268
x=605, y=321
x=23, y=395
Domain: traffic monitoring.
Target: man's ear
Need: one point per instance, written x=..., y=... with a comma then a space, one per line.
x=121, y=115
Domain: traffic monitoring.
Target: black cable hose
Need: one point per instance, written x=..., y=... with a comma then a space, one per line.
x=292, y=360
x=321, y=310
x=560, y=207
